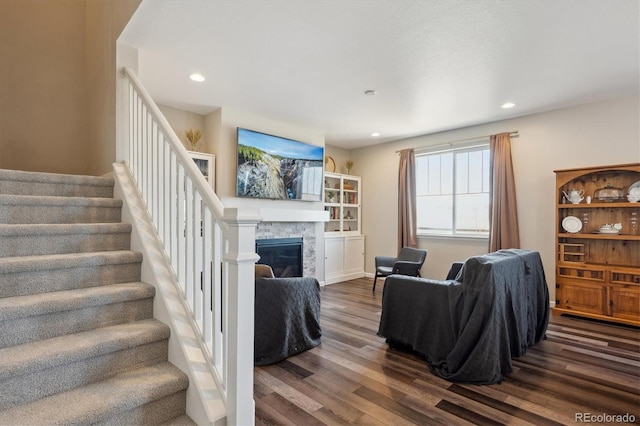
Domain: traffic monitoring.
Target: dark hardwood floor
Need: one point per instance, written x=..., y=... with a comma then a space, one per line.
x=583, y=368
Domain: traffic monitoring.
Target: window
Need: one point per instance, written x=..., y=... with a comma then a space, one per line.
x=452, y=192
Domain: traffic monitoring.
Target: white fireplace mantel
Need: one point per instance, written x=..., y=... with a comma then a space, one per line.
x=293, y=215
x=280, y=211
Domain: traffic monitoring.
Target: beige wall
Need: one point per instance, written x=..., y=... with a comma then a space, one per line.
x=57, y=65
x=181, y=120
x=43, y=103
x=340, y=156
x=596, y=134
x=105, y=20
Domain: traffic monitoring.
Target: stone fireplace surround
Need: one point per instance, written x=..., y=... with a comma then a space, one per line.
x=305, y=230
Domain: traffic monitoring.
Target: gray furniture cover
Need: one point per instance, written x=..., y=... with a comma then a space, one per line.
x=469, y=328
x=287, y=318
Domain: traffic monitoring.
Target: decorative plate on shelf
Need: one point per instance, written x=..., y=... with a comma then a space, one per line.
x=571, y=224
x=634, y=189
x=329, y=164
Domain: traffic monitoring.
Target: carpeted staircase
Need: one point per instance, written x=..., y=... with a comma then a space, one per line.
x=78, y=342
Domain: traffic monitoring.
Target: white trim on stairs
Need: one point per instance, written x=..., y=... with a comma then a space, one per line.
x=205, y=405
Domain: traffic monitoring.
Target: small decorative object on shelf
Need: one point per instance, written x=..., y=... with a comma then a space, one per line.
x=330, y=196
x=609, y=194
x=598, y=258
x=633, y=221
x=193, y=136
x=633, y=195
x=574, y=196
x=585, y=222
x=349, y=165
x=329, y=164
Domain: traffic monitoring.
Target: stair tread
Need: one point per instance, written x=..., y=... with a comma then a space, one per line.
x=52, y=200
x=45, y=177
x=46, y=303
x=97, y=401
x=40, y=229
x=183, y=420
x=53, y=254
x=69, y=260
x=41, y=354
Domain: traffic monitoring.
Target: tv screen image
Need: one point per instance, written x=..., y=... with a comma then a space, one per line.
x=278, y=168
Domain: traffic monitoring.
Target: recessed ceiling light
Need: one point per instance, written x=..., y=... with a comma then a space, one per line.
x=375, y=134
x=370, y=92
x=197, y=77
x=507, y=105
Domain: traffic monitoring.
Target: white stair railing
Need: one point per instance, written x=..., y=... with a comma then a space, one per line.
x=211, y=249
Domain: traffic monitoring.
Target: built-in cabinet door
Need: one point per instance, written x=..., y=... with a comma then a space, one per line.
x=353, y=254
x=344, y=258
x=334, y=258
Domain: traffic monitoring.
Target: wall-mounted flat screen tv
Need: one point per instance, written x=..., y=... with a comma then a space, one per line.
x=278, y=168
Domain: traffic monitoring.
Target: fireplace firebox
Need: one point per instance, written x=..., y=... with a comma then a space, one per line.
x=284, y=255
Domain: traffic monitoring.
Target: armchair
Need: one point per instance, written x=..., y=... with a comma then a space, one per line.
x=408, y=262
x=287, y=316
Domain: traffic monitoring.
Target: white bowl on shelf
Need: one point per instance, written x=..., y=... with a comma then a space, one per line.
x=613, y=228
x=633, y=198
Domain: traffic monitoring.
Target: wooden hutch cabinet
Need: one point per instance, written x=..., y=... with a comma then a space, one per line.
x=598, y=268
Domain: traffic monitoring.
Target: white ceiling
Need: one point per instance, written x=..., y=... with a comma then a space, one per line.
x=436, y=64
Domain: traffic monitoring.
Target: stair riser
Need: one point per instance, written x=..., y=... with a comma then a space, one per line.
x=44, y=281
x=153, y=413
x=40, y=327
x=42, y=383
x=55, y=189
x=63, y=244
x=58, y=214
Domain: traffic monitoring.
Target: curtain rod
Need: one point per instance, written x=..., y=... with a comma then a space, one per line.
x=512, y=134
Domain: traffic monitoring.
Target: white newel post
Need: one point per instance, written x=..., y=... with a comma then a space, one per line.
x=240, y=262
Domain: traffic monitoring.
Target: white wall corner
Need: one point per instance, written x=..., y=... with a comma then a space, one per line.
x=205, y=405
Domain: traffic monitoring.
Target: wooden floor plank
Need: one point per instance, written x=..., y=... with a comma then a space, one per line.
x=353, y=377
x=330, y=405
x=392, y=405
x=502, y=406
x=290, y=411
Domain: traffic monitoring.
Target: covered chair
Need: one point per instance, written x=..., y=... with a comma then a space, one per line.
x=470, y=326
x=287, y=316
x=408, y=262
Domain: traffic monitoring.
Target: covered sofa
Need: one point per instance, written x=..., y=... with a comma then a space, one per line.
x=287, y=317
x=469, y=327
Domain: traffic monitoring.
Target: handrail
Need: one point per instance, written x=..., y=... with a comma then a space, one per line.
x=210, y=249
x=209, y=197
